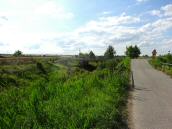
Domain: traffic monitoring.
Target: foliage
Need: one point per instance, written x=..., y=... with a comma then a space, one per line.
x=110, y=52
x=91, y=55
x=22, y=75
x=146, y=56
x=86, y=100
x=133, y=51
x=168, y=58
x=17, y=53
x=26, y=60
x=109, y=64
x=41, y=68
x=84, y=64
x=83, y=55
x=158, y=63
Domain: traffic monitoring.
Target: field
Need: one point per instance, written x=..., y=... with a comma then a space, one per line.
x=163, y=63
x=64, y=94
x=24, y=60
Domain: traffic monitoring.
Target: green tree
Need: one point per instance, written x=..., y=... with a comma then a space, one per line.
x=91, y=55
x=168, y=58
x=133, y=51
x=110, y=52
x=17, y=53
x=83, y=55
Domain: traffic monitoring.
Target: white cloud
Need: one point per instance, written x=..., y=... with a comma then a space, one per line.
x=106, y=12
x=108, y=23
x=37, y=12
x=115, y=31
x=163, y=11
x=52, y=9
x=95, y=35
x=25, y=23
x=167, y=10
x=156, y=13
x=162, y=25
x=141, y=0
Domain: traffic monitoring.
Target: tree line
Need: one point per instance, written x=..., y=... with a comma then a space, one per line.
x=131, y=51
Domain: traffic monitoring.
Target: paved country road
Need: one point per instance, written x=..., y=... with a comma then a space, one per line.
x=152, y=97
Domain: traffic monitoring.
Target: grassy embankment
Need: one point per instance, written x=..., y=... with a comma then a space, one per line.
x=158, y=63
x=46, y=96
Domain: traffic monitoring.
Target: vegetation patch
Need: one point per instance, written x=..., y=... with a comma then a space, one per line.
x=84, y=100
x=163, y=63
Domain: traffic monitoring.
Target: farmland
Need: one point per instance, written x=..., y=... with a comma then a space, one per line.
x=62, y=93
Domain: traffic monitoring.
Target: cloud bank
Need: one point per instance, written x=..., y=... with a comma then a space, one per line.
x=32, y=34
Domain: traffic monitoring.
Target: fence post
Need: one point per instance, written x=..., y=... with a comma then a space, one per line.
x=132, y=80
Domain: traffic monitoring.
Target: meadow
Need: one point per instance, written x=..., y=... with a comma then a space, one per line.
x=52, y=95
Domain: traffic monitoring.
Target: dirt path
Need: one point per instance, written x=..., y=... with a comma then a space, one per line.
x=151, y=98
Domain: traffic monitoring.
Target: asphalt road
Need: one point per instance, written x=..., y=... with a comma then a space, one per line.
x=152, y=97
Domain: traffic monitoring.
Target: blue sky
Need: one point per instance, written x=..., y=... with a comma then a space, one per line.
x=65, y=26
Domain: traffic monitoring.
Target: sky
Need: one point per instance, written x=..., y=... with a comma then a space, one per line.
x=67, y=26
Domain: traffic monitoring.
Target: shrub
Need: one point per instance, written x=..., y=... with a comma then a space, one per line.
x=84, y=64
x=158, y=63
x=41, y=68
x=168, y=58
x=17, y=53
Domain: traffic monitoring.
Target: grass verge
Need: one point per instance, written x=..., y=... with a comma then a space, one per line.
x=158, y=64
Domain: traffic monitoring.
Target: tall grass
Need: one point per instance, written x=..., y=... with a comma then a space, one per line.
x=158, y=63
x=86, y=100
x=22, y=75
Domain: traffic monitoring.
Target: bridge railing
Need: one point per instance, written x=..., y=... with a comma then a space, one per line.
x=166, y=65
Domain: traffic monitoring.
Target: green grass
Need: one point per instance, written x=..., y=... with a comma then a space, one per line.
x=84, y=100
x=158, y=63
x=22, y=75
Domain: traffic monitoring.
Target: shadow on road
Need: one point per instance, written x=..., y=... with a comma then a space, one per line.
x=142, y=89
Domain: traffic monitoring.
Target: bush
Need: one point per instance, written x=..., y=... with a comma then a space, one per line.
x=84, y=64
x=158, y=63
x=17, y=53
x=168, y=58
x=41, y=68
x=109, y=64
